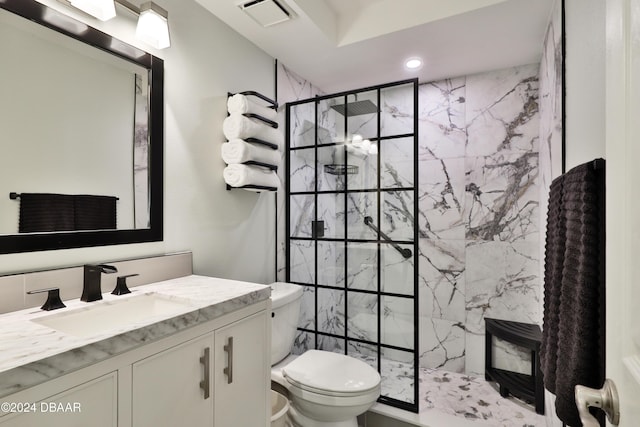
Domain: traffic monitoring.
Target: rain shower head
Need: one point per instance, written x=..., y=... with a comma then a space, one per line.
x=356, y=108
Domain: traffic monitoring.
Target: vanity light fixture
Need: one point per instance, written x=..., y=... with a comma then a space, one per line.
x=101, y=9
x=153, y=26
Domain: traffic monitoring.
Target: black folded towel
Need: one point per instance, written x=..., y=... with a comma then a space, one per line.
x=42, y=212
x=47, y=212
x=95, y=212
x=573, y=339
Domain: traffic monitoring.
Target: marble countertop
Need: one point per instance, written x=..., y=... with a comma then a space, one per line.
x=31, y=353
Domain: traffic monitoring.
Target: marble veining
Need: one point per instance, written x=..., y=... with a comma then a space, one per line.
x=33, y=353
x=441, y=119
x=502, y=111
x=445, y=347
x=442, y=198
x=291, y=87
x=478, y=213
x=502, y=197
x=473, y=399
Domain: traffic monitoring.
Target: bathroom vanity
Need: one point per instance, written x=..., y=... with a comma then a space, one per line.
x=191, y=351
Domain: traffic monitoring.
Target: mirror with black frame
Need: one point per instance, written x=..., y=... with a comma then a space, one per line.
x=81, y=125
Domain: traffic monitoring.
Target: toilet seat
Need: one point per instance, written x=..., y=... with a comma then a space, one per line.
x=299, y=394
x=324, y=392
x=331, y=374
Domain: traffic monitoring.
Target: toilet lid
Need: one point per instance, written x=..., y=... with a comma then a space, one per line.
x=326, y=371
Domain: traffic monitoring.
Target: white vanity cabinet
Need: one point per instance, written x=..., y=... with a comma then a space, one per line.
x=90, y=404
x=219, y=379
x=213, y=374
x=167, y=389
x=242, y=351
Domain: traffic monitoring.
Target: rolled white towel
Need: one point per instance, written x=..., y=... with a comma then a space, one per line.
x=240, y=175
x=241, y=104
x=239, y=151
x=237, y=126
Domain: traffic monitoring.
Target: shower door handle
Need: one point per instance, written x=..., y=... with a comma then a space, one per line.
x=317, y=229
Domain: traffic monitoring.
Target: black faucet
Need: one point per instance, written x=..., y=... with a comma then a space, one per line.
x=91, y=289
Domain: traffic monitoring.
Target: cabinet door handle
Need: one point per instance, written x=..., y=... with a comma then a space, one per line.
x=229, y=369
x=204, y=384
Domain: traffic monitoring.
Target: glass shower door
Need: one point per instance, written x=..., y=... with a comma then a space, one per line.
x=351, y=235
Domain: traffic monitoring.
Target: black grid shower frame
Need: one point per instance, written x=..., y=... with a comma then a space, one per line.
x=346, y=191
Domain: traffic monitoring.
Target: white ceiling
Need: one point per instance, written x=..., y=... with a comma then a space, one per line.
x=348, y=44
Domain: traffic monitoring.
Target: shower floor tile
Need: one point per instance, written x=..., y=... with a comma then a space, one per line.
x=474, y=399
x=449, y=399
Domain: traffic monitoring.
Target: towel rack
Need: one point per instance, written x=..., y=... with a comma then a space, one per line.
x=15, y=196
x=262, y=142
x=254, y=187
x=274, y=105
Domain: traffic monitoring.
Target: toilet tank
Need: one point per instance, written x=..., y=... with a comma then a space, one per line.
x=285, y=313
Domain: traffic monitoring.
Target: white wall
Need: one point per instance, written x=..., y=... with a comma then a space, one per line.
x=584, y=100
x=231, y=233
x=585, y=84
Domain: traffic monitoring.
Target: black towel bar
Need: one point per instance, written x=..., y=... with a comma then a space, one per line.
x=273, y=103
x=15, y=196
x=254, y=187
x=264, y=165
x=262, y=119
x=262, y=142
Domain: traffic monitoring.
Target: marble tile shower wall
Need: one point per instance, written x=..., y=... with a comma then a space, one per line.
x=478, y=219
x=479, y=197
x=291, y=87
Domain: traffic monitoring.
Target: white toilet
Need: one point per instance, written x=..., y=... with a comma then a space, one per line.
x=325, y=388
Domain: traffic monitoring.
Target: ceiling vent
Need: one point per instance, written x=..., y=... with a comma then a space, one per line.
x=266, y=12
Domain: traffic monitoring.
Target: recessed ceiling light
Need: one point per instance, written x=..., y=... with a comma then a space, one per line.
x=413, y=63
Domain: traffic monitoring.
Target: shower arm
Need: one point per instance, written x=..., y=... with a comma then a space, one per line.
x=405, y=252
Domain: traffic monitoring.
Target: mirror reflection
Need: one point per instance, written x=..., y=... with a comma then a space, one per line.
x=74, y=121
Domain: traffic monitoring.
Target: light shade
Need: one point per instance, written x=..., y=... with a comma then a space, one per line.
x=153, y=27
x=101, y=9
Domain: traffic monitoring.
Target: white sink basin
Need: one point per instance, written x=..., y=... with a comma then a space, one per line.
x=108, y=316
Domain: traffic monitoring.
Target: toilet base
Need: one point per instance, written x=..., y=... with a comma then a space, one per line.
x=298, y=420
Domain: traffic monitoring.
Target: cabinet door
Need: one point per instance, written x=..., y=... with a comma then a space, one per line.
x=168, y=387
x=242, y=377
x=90, y=404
